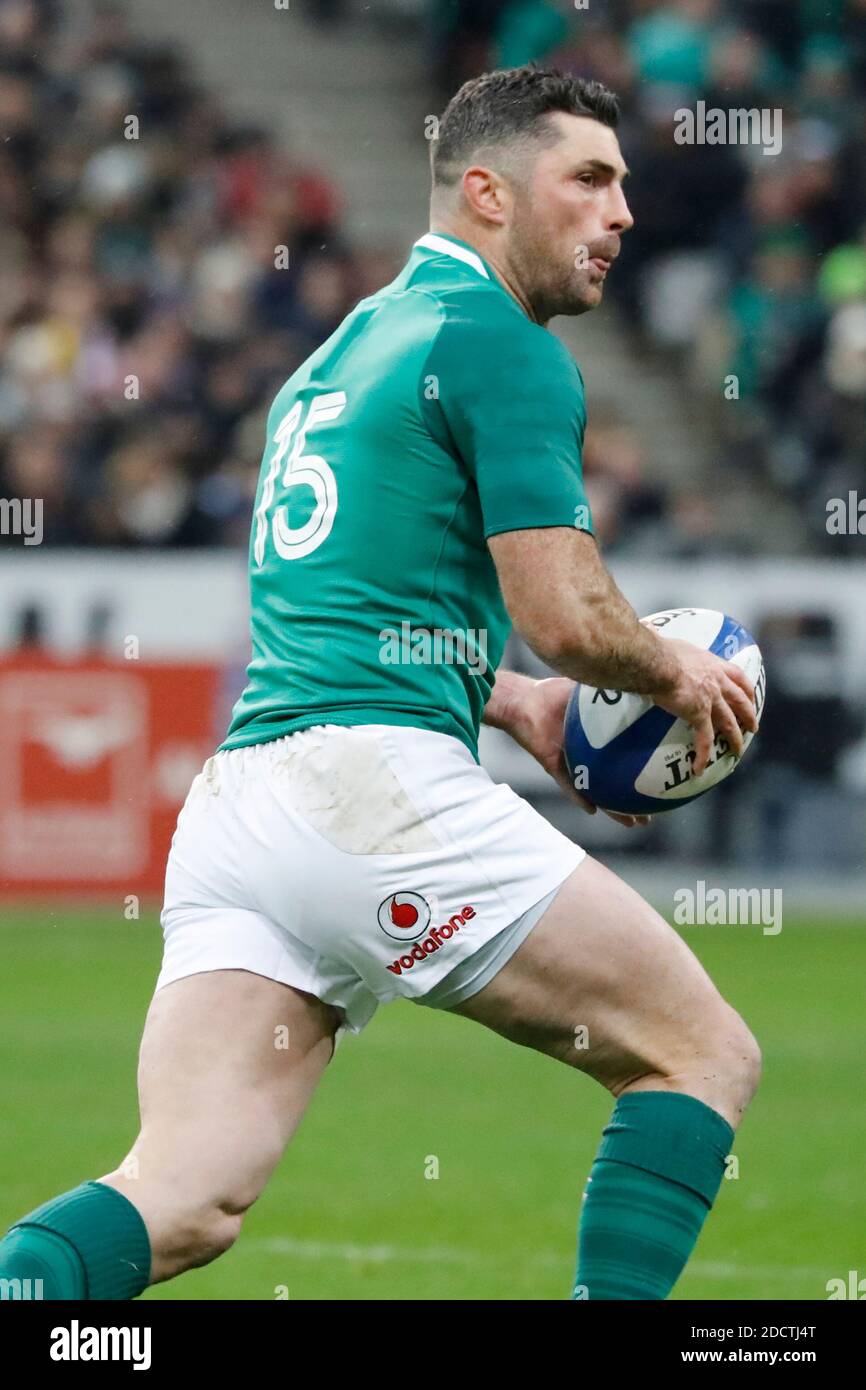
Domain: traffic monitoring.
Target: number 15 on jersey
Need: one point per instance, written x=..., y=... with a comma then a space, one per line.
x=293, y=542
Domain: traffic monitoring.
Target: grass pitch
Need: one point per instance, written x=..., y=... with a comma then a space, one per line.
x=350, y=1214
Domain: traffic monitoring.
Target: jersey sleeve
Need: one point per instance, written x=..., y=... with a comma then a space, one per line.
x=512, y=399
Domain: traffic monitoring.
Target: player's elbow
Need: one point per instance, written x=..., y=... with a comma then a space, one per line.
x=566, y=644
x=572, y=637
x=556, y=591
x=553, y=648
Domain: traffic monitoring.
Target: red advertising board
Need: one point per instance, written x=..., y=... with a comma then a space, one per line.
x=96, y=760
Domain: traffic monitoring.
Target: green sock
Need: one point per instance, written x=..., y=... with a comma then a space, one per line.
x=655, y=1178
x=90, y=1243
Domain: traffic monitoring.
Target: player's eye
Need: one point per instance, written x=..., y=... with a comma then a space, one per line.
x=589, y=179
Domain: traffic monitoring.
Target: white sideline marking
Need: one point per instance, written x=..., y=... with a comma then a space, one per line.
x=376, y=1254
x=384, y=1254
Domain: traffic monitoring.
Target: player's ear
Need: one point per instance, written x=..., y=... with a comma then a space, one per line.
x=486, y=193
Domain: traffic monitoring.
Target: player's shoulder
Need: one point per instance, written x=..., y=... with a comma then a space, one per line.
x=483, y=308
x=483, y=311
x=482, y=326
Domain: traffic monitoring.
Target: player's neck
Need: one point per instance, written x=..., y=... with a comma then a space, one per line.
x=507, y=279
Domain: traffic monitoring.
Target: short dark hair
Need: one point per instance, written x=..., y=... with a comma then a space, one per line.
x=512, y=104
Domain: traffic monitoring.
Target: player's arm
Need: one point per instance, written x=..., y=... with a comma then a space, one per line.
x=566, y=605
x=511, y=398
x=577, y=621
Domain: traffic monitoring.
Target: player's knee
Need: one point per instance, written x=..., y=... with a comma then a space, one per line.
x=715, y=1058
x=726, y=1067
x=745, y=1061
x=731, y=1051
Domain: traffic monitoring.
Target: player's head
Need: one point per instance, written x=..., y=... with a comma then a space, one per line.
x=527, y=167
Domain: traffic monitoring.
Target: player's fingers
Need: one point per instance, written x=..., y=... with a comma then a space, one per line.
x=703, y=731
x=628, y=821
x=741, y=702
x=725, y=722
x=741, y=706
x=745, y=691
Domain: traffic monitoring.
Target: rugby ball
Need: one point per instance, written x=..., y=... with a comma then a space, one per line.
x=629, y=755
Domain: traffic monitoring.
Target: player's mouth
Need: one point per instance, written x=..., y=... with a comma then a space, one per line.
x=601, y=265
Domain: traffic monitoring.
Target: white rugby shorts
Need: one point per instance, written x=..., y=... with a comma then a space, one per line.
x=356, y=863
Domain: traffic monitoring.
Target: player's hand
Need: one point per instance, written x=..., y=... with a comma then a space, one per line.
x=712, y=696
x=537, y=727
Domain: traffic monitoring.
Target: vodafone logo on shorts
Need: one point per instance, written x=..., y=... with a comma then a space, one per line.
x=406, y=916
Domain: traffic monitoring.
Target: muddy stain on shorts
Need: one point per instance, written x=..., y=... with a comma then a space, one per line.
x=340, y=782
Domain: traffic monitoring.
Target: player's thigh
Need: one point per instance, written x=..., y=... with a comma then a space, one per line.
x=229, y=1061
x=604, y=984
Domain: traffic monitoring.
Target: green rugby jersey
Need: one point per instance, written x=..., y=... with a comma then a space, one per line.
x=435, y=416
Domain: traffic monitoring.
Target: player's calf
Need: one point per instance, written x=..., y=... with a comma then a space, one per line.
x=605, y=985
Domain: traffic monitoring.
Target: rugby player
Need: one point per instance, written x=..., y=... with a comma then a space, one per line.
x=344, y=846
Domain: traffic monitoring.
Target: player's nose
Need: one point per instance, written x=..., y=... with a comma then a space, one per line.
x=619, y=216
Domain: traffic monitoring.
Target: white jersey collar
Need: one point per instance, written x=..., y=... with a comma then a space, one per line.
x=432, y=242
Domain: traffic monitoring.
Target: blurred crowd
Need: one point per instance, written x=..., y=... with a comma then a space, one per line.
x=746, y=274
x=746, y=270
x=162, y=272
x=163, y=268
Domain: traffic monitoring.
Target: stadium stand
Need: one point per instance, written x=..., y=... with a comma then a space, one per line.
x=147, y=313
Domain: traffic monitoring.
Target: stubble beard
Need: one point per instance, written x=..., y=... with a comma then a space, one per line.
x=551, y=288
